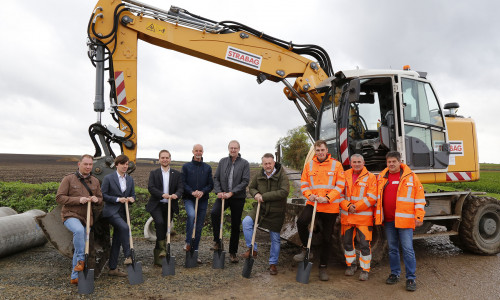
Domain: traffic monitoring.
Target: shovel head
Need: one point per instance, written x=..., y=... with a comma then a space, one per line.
x=303, y=271
x=135, y=273
x=191, y=259
x=168, y=266
x=219, y=258
x=86, y=281
x=247, y=268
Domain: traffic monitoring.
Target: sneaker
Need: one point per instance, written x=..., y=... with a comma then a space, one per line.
x=273, y=270
x=350, y=270
x=363, y=276
x=247, y=254
x=234, y=258
x=300, y=257
x=323, y=275
x=392, y=279
x=186, y=247
x=117, y=273
x=199, y=261
x=215, y=246
x=74, y=281
x=79, y=266
x=128, y=261
x=411, y=285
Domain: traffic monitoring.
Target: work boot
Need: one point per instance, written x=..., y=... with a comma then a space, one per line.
x=117, y=273
x=79, y=266
x=74, y=281
x=273, y=270
x=411, y=285
x=163, y=248
x=300, y=257
x=128, y=261
x=323, y=275
x=156, y=259
x=351, y=270
x=392, y=279
x=247, y=254
x=215, y=246
x=234, y=258
x=363, y=276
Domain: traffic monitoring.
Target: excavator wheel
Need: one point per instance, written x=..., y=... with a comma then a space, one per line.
x=480, y=226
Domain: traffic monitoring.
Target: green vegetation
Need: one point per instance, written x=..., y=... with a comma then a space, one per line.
x=295, y=147
x=489, y=183
x=484, y=167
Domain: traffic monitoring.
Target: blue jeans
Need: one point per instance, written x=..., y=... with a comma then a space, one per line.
x=74, y=225
x=405, y=236
x=200, y=219
x=275, y=240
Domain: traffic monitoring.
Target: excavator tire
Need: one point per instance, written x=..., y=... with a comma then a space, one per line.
x=480, y=227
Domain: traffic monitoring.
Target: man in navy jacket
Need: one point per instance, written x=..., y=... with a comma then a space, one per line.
x=198, y=183
x=117, y=189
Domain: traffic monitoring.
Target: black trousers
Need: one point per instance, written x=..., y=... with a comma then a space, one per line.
x=160, y=216
x=120, y=237
x=327, y=220
x=236, y=207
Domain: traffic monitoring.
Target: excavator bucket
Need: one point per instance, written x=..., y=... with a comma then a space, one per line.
x=62, y=239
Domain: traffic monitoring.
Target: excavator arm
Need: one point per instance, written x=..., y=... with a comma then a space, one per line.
x=116, y=26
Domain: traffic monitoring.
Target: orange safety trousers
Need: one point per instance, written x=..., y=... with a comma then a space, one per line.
x=364, y=234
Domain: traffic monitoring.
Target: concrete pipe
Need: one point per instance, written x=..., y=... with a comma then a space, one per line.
x=150, y=231
x=7, y=211
x=20, y=232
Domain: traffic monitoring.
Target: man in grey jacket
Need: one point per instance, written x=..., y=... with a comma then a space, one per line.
x=230, y=182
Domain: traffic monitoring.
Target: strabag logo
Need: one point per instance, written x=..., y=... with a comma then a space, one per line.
x=243, y=58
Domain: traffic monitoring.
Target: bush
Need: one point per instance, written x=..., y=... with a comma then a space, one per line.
x=26, y=196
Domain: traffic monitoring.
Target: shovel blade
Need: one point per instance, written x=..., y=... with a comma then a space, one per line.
x=135, y=273
x=191, y=259
x=303, y=272
x=86, y=281
x=168, y=266
x=247, y=268
x=219, y=258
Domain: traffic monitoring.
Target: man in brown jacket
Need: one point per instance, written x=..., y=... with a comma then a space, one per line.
x=74, y=192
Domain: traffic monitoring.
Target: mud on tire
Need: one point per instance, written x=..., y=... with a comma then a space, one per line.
x=480, y=227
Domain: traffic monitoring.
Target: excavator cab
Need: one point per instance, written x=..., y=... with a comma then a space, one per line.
x=374, y=112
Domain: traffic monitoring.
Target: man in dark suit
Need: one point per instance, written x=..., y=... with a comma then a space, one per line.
x=164, y=185
x=117, y=189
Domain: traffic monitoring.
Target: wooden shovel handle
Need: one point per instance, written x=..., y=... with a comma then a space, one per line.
x=169, y=205
x=312, y=226
x=221, y=219
x=87, y=227
x=195, y=217
x=255, y=226
x=129, y=228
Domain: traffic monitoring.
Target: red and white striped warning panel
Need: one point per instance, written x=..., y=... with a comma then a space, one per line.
x=459, y=176
x=344, y=151
x=121, y=97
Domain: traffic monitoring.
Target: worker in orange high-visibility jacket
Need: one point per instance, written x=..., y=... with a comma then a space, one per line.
x=400, y=207
x=357, y=214
x=322, y=181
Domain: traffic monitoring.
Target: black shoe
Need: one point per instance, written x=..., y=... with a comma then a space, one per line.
x=392, y=279
x=411, y=285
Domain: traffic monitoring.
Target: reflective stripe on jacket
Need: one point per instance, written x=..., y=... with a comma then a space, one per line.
x=363, y=195
x=410, y=202
x=323, y=179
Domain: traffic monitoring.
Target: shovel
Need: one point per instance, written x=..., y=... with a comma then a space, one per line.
x=247, y=267
x=191, y=254
x=168, y=262
x=305, y=266
x=135, y=269
x=86, y=277
x=220, y=254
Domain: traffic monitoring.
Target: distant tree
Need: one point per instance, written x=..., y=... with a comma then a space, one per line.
x=295, y=147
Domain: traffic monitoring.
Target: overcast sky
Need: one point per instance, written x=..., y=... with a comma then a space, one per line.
x=47, y=82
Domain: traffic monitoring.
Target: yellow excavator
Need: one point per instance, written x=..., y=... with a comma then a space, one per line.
x=369, y=112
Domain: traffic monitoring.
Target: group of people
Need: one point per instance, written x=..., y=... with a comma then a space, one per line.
x=394, y=199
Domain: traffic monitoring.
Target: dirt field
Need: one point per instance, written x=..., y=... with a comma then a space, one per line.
x=443, y=271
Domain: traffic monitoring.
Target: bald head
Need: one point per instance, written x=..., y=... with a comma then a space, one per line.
x=197, y=152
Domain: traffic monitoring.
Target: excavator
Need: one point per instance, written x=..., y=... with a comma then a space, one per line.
x=369, y=112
